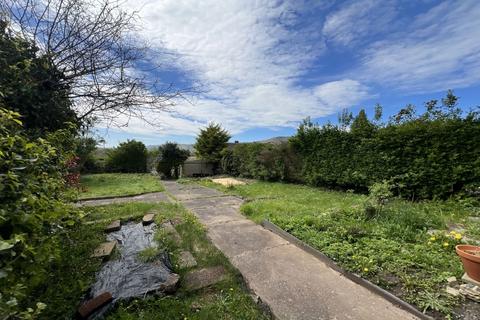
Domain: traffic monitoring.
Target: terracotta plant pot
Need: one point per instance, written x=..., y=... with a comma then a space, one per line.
x=470, y=256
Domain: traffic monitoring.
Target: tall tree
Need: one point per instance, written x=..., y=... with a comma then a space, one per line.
x=210, y=143
x=92, y=44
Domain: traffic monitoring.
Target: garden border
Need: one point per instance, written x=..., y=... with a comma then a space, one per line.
x=351, y=276
x=115, y=197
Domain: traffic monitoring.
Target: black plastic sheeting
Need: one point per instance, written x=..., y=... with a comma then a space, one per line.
x=127, y=276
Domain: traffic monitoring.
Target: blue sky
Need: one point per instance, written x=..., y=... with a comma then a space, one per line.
x=263, y=66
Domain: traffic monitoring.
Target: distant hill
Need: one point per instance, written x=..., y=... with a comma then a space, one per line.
x=275, y=140
x=183, y=146
x=189, y=147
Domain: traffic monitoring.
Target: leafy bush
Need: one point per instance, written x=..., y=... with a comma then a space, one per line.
x=171, y=157
x=30, y=85
x=262, y=161
x=130, y=156
x=379, y=194
x=33, y=213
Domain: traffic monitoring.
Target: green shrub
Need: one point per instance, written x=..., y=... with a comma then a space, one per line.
x=130, y=156
x=33, y=213
x=170, y=158
x=262, y=161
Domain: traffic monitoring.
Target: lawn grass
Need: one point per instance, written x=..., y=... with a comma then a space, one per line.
x=71, y=278
x=118, y=184
x=392, y=249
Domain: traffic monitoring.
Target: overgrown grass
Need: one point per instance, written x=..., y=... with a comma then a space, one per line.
x=227, y=299
x=118, y=184
x=121, y=211
x=75, y=273
x=70, y=278
x=392, y=249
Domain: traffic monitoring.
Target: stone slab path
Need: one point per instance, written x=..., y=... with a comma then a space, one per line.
x=293, y=283
x=147, y=197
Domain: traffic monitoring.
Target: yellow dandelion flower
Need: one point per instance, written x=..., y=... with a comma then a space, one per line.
x=433, y=238
x=445, y=244
x=458, y=236
x=365, y=269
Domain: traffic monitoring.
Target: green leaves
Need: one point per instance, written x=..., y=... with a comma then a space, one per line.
x=211, y=141
x=32, y=86
x=32, y=212
x=170, y=158
x=130, y=156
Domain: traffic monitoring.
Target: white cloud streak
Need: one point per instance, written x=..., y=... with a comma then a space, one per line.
x=247, y=56
x=440, y=49
x=359, y=20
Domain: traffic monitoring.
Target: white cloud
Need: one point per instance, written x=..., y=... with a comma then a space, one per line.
x=341, y=94
x=440, y=49
x=247, y=56
x=358, y=20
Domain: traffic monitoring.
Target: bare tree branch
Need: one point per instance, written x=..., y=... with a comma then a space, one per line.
x=92, y=43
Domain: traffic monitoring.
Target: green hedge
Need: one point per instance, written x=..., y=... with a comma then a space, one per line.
x=422, y=157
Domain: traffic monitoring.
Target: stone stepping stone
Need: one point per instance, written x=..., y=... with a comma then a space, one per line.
x=148, y=218
x=104, y=250
x=114, y=226
x=467, y=278
x=204, y=277
x=186, y=260
x=94, y=304
x=470, y=291
x=168, y=226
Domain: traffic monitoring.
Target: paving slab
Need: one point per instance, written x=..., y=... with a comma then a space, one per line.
x=113, y=226
x=237, y=238
x=148, y=218
x=189, y=191
x=175, y=236
x=104, y=249
x=226, y=201
x=186, y=260
x=215, y=215
x=205, y=277
x=296, y=285
x=293, y=283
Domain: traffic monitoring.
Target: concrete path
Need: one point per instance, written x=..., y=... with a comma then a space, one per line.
x=147, y=197
x=293, y=283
